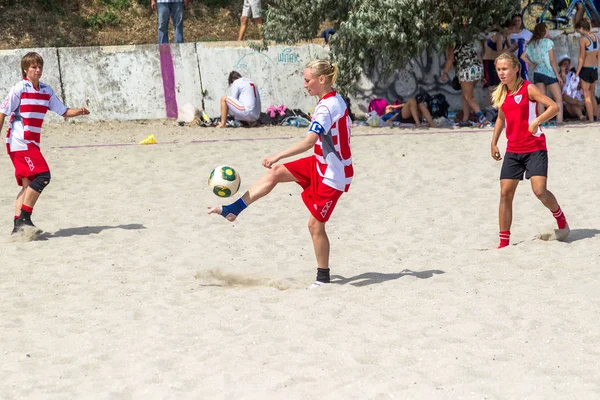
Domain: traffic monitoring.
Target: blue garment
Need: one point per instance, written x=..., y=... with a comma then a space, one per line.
x=492, y=45
x=521, y=50
x=168, y=11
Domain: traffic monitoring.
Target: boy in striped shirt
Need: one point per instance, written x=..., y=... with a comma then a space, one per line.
x=26, y=105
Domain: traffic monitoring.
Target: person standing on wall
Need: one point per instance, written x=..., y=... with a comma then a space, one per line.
x=169, y=9
x=251, y=8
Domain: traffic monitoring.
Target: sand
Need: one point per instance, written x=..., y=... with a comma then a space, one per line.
x=134, y=292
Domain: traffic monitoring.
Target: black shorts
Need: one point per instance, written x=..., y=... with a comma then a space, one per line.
x=588, y=74
x=545, y=79
x=407, y=120
x=514, y=165
x=489, y=71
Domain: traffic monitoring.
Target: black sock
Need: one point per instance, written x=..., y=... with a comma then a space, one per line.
x=25, y=215
x=323, y=275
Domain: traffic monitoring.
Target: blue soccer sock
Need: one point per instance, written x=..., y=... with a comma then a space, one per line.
x=234, y=208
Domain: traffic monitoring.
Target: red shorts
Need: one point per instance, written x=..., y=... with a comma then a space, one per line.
x=28, y=163
x=319, y=198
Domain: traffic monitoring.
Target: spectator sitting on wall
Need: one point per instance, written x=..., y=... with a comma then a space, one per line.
x=411, y=112
x=169, y=9
x=251, y=8
x=244, y=102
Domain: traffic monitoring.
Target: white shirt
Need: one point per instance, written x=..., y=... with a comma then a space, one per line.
x=524, y=34
x=246, y=92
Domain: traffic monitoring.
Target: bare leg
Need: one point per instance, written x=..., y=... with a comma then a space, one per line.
x=538, y=185
x=594, y=101
x=465, y=107
x=277, y=174
x=491, y=90
x=589, y=103
x=21, y=196
x=468, y=90
x=320, y=241
x=578, y=15
x=557, y=96
x=224, y=112
x=540, y=106
x=243, y=27
x=410, y=110
x=425, y=112
x=507, y=194
x=259, y=22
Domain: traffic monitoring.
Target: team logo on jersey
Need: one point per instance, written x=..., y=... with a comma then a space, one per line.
x=29, y=162
x=518, y=98
x=317, y=128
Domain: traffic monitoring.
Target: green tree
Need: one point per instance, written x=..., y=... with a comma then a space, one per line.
x=387, y=31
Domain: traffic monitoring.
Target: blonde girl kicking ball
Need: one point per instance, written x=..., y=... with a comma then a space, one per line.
x=526, y=152
x=26, y=105
x=324, y=175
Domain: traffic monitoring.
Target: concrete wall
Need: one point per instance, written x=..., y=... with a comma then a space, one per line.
x=10, y=72
x=151, y=81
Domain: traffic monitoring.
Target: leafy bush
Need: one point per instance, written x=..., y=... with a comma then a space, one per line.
x=390, y=32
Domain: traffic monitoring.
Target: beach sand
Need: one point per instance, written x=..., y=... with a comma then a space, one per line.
x=134, y=292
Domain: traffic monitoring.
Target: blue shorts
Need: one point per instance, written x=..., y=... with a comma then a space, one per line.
x=545, y=79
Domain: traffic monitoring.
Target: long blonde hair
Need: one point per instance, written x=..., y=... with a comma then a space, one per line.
x=324, y=67
x=501, y=91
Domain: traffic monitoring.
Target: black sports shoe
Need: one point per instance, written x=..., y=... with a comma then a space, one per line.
x=21, y=223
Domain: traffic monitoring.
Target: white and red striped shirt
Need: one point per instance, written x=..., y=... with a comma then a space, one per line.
x=332, y=151
x=27, y=107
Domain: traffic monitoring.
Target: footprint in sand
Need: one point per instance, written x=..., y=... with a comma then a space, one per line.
x=557, y=234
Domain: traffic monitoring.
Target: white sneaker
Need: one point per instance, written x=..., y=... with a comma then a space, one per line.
x=316, y=284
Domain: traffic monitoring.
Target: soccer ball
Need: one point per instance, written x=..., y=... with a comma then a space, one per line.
x=224, y=181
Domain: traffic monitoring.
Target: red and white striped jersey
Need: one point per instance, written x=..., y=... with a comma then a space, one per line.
x=27, y=108
x=331, y=123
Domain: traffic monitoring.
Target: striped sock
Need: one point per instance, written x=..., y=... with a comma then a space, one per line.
x=504, y=239
x=561, y=220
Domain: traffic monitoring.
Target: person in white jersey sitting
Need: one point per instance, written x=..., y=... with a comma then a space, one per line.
x=244, y=102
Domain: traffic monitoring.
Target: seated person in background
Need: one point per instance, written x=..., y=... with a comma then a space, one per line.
x=574, y=105
x=244, y=102
x=410, y=112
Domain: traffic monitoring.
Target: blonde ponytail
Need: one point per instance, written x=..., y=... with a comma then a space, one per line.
x=324, y=67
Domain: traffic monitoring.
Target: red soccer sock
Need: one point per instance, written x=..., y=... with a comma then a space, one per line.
x=561, y=220
x=27, y=208
x=504, y=239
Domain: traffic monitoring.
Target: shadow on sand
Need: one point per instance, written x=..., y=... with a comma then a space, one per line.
x=85, y=230
x=370, y=278
x=580, y=234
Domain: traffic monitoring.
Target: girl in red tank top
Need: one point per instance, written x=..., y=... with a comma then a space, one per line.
x=526, y=152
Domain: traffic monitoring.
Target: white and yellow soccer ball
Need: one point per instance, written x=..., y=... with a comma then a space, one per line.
x=224, y=181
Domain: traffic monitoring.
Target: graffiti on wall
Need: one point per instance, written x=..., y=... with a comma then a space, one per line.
x=287, y=56
x=420, y=74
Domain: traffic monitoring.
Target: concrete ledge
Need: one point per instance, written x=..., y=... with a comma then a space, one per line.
x=151, y=81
